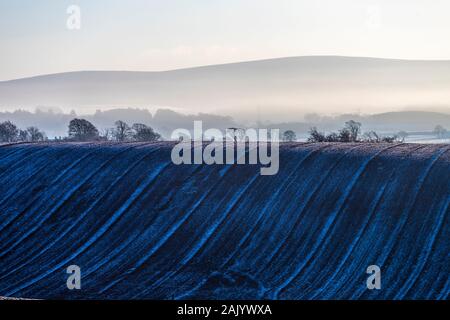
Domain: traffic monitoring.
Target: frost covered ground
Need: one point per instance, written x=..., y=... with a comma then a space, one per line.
x=140, y=227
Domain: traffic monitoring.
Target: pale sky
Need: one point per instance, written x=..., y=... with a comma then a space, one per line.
x=148, y=35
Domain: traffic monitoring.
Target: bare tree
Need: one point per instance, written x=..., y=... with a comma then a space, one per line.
x=122, y=131
x=354, y=129
x=35, y=135
x=106, y=134
x=24, y=136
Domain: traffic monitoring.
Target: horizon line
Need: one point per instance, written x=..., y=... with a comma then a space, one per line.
x=224, y=64
x=161, y=108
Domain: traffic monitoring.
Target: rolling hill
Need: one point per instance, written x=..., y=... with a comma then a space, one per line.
x=140, y=227
x=275, y=89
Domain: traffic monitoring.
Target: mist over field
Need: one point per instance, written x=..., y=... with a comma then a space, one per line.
x=54, y=122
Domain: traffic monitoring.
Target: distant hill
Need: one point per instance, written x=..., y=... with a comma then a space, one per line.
x=275, y=89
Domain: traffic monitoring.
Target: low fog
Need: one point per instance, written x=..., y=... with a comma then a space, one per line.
x=54, y=122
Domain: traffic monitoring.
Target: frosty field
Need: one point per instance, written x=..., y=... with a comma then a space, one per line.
x=140, y=227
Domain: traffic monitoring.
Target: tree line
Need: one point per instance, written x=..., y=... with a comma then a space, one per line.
x=351, y=132
x=9, y=132
x=80, y=130
x=83, y=130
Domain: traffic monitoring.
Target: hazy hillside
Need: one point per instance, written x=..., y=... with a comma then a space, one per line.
x=275, y=89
